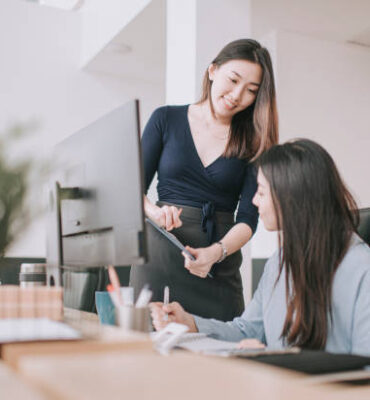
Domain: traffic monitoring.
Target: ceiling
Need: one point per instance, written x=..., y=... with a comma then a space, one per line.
x=336, y=20
x=138, y=51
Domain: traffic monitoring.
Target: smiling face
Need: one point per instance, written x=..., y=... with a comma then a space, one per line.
x=263, y=200
x=234, y=86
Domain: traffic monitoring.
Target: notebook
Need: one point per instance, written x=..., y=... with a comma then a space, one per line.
x=201, y=343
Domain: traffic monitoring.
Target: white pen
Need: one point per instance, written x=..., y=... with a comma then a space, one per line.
x=144, y=297
x=166, y=300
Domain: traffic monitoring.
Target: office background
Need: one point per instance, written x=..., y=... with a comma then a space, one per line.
x=66, y=68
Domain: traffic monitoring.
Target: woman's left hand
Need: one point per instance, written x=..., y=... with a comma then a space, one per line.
x=205, y=257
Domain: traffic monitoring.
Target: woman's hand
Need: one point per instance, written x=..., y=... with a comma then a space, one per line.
x=174, y=313
x=251, y=344
x=205, y=257
x=165, y=216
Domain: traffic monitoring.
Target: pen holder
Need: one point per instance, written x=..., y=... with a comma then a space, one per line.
x=105, y=308
x=133, y=318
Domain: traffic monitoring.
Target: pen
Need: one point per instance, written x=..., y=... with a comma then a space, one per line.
x=166, y=300
x=113, y=295
x=113, y=277
x=144, y=297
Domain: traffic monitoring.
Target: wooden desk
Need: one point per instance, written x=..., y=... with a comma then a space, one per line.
x=117, y=364
x=100, y=338
x=13, y=388
x=147, y=375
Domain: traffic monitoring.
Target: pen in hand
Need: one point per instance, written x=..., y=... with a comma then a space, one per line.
x=166, y=300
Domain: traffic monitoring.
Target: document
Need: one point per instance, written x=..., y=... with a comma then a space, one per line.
x=200, y=343
x=33, y=329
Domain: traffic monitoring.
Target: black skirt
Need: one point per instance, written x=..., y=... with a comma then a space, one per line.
x=220, y=297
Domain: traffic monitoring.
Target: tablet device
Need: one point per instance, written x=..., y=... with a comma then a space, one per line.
x=172, y=238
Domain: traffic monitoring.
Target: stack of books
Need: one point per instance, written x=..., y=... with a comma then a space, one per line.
x=31, y=302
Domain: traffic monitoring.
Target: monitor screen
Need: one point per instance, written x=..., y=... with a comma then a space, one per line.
x=96, y=213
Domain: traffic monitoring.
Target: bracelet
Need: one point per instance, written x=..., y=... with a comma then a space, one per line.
x=224, y=252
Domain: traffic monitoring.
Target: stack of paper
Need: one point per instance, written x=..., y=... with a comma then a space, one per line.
x=31, y=302
x=32, y=329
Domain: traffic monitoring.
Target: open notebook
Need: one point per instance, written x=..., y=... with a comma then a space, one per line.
x=201, y=343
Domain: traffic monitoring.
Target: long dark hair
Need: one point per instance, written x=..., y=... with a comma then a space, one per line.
x=316, y=217
x=254, y=129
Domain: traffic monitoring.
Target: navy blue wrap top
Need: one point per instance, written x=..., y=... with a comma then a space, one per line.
x=168, y=148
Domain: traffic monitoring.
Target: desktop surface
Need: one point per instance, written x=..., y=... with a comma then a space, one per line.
x=147, y=375
x=14, y=388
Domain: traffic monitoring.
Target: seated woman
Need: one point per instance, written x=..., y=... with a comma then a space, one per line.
x=315, y=291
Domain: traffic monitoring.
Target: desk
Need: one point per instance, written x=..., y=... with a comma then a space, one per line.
x=12, y=387
x=98, y=338
x=181, y=376
x=119, y=364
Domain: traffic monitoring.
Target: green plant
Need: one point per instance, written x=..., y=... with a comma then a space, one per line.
x=14, y=184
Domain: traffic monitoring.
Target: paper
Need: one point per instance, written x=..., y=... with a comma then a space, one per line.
x=33, y=329
x=200, y=343
x=204, y=344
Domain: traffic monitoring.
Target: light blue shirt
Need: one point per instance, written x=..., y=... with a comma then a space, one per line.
x=264, y=316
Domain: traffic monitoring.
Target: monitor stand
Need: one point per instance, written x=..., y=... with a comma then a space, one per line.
x=79, y=286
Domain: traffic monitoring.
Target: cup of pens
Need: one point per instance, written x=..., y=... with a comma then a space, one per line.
x=129, y=315
x=133, y=318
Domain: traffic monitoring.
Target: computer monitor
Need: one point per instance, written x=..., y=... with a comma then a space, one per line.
x=96, y=213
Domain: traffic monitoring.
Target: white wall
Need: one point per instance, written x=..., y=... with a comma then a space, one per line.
x=40, y=78
x=323, y=91
x=324, y=95
x=102, y=21
x=323, y=87
x=196, y=32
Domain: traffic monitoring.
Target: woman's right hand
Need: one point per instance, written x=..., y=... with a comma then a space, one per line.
x=250, y=344
x=174, y=313
x=165, y=216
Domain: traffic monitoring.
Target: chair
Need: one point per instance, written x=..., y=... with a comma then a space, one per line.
x=364, y=225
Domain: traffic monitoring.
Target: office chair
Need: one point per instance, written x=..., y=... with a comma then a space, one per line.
x=364, y=225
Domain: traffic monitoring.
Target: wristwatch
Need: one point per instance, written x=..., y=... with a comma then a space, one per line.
x=224, y=252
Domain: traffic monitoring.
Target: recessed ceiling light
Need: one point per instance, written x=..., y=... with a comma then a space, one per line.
x=70, y=5
x=121, y=48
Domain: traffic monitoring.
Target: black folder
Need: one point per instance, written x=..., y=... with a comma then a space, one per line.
x=314, y=362
x=172, y=238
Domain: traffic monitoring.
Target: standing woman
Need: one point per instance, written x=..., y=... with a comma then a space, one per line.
x=203, y=153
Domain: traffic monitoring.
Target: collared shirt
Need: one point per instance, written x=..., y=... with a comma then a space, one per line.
x=264, y=316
